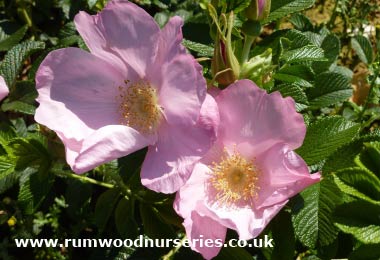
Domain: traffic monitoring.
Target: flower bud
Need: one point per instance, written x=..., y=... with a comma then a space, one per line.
x=225, y=66
x=257, y=67
x=258, y=10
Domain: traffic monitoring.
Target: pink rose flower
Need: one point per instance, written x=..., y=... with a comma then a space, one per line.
x=137, y=87
x=4, y=91
x=250, y=172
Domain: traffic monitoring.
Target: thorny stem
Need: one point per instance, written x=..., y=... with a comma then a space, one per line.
x=171, y=253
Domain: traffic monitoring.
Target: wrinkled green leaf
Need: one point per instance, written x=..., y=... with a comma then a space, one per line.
x=294, y=91
x=283, y=237
x=201, y=49
x=105, y=206
x=13, y=60
x=30, y=153
x=363, y=48
x=7, y=173
x=153, y=226
x=345, y=156
x=283, y=8
x=306, y=53
x=125, y=219
x=359, y=183
x=312, y=214
x=301, y=22
x=331, y=48
x=33, y=189
x=360, y=219
x=330, y=88
x=19, y=106
x=11, y=40
x=325, y=136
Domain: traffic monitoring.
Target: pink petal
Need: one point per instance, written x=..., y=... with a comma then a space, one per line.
x=77, y=96
x=169, y=46
x=248, y=222
x=214, y=91
x=72, y=149
x=170, y=43
x=3, y=88
x=193, y=196
x=261, y=4
x=209, y=118
x=214, y=154
x=77, y=93
x=122, y=32
x=183, y=90
x=206, y=230
x=283, y=175
x=188, y=201
x=109, y=143
x=169, y=163
x=251, y=117
x=192, y=192
x=87, y=27
x=196, y=196
x=200, y=82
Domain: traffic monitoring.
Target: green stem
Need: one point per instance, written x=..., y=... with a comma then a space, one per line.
x=330, y=24
x=247, y=48
x=372, y=86
x=85, y=179
x=27, y=18
x=127, y=192
x=171, y=253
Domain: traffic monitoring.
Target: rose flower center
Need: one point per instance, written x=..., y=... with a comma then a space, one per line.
x=235, y=180
x=139, y=106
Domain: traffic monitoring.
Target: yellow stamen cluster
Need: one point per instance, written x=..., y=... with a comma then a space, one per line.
x=139, y=106
x=235, y=180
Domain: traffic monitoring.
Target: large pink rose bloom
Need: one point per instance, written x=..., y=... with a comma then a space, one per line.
x=250, y=172
x=137, y=87
x=4, y=91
